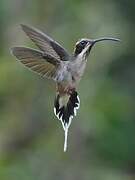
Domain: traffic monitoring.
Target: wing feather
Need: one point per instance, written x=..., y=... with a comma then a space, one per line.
x=45, y=43
x=37, y=61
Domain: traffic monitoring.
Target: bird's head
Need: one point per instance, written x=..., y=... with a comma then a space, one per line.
x=84, y=46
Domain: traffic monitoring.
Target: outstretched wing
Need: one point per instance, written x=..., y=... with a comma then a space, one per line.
x=45, y=43
x=39, y=62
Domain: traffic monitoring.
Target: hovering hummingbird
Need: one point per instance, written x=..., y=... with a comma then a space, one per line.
x=54, y=62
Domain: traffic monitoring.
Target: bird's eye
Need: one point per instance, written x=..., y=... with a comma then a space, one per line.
x=79, y=47
x=82, y=42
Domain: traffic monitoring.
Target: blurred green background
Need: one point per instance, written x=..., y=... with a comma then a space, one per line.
x=101, y=143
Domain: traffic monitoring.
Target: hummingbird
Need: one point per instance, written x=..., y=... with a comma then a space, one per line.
x=52, y=61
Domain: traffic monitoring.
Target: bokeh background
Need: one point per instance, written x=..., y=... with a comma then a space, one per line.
x=101, y=143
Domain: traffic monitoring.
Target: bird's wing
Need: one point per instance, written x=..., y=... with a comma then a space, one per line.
x=39, y=62
x=45, y=43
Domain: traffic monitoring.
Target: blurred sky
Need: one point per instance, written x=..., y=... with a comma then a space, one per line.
x=101, y=143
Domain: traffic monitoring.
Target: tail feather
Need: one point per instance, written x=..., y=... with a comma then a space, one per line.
x=65, y=108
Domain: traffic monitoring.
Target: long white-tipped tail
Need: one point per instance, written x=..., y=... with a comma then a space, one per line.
x=65, y=141
x=65, y=107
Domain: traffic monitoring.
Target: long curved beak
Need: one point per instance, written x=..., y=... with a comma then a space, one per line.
x=105, y=39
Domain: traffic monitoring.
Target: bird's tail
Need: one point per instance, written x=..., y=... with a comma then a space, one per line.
x=65, y=107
